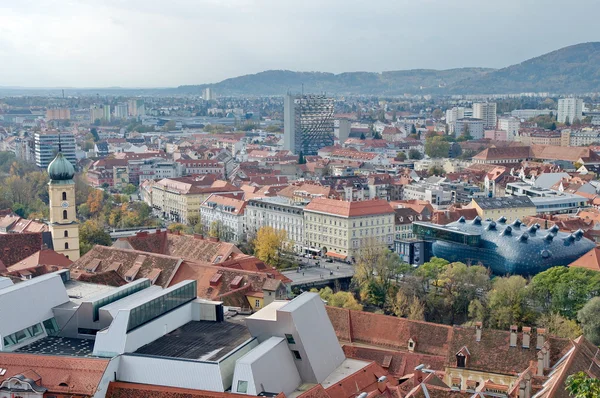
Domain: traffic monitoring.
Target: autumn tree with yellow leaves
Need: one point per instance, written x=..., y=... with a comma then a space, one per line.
x=269, y=244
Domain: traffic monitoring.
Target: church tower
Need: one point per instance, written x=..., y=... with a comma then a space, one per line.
x=63, y=218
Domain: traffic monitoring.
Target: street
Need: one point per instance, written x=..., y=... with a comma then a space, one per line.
x=326, y=271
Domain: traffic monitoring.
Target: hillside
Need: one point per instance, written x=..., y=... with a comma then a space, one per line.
x=573, y=69
x=278, y=82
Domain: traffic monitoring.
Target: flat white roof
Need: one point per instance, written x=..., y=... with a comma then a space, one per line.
x=269, y=313
x=81, y=291
x=347, y=368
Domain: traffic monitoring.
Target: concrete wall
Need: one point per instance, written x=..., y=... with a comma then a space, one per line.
x=228, y=364
x=170, y=372
x=107, y=377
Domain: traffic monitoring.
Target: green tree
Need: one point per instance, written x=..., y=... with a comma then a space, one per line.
x=436, y=171
x=580, y=385
x=559, y=326
x=177, y=227
x=129, y=189
x=414, y=154
x=301, y=158
x=401, y=156
x=553, y=126
x=590, y=321
x=437, y=147
x=94, y=133
x=413, y=130
x=508, y=302
x=362, y=136
x=92, y=233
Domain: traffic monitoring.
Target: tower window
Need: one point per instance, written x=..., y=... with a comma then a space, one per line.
x=64, y=196
x=66, y=245
x=65, y=216
x=66, y=234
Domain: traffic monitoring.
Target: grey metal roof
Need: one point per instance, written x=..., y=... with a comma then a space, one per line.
x=504, y=203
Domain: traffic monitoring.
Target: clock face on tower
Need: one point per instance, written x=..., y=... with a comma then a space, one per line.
x=65, y=204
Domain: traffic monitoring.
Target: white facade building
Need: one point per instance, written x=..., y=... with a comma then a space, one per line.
x=569, y=109
x=452, y=115
x=476, y=127
x=224, y=214
x=485, y=111
x=511, y=125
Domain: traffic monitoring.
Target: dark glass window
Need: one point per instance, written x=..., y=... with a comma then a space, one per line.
x=290, y=339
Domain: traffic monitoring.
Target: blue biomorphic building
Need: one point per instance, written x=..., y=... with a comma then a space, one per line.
x=504, y=248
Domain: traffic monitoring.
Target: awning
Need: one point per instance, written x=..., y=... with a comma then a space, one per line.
x=336, y=255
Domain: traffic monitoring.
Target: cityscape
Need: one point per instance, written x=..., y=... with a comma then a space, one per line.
x=401, y=233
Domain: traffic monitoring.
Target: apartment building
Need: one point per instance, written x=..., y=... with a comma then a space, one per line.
x=58, y=114
x=341, y=229
x=46, y=146
x=224, y=215
x=177, y=199
x=511, y=126
x=278, y=213
x=485, y=111
x=308, y=123
x=583, y=137
x=569, y=109
x=475, y=126
x=202, y=166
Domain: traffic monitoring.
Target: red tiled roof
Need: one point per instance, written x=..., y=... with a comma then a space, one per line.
x=16, y=247
x=42, y=257
x=590, y=260
x=119, y=389
x=350, y=209
x=82, y=375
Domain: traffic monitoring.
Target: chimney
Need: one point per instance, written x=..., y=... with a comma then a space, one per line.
x=540, y=363
x=541, y=335
x=546, y=351
x=526, y=336
x=478, y=326
x=525, y=386
x=199, y=236
x=513, y=336
x=382, y=383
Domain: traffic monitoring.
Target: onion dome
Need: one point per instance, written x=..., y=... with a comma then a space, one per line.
x=60, y=169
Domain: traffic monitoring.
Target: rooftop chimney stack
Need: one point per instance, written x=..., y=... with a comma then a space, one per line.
x=540, y=363
x=546, y=351
x=541, y=335
x=513, y=336
x=526, y=336
x=478, y=326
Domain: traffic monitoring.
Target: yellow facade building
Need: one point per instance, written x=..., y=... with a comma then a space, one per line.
x=511, y=207
x=63, y=216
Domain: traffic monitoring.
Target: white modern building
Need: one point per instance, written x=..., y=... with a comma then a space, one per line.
x=121, y=111
x=475, y=127
x=308, y=123
x=485, y=111
x=453, y=114
x=46, y=144
x=525, y=114
x=511, y=125
x=569, y=109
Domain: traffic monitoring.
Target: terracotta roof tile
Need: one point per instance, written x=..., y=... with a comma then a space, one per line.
x=350, y=209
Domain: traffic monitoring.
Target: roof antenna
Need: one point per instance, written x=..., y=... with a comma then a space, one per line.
x=59, y=145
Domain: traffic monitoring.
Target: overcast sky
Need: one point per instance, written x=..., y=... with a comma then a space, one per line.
x=160, y=43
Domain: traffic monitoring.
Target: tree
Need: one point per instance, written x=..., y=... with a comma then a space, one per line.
x=301, y=158
x=94, y=133
x=580, y=385
x=553, y=126
x=466, y=134
x=129, y=189
x=437, y=147
x=415, y=154
x=177, y=227
x=362, y=136
x=401, y=156
x=344, y=300
x=590, y=321
x=416, y=310
x=92, y=233
x=170, y=125
x=508, y=302
x=567, y=121
x=436, y=171
x=95, y=201
x=413, y=130
x=559, y=326
x=268, y=245
x=437, y=113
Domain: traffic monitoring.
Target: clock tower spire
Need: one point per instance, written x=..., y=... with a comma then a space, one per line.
x=63, y=217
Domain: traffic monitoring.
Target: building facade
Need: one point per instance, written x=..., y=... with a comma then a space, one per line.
x=46, y=146
x=308, y=123
x=223, y=216
x=485, y=111
x=343, y=229
x=511, y=207
x=474, y=126
x=569, y=109
x=511, y=126
x=278, y=213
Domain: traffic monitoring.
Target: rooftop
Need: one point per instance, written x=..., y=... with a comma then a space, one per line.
x=199, y=340
x=61, y=346
x=350, y=209
x=504, y=202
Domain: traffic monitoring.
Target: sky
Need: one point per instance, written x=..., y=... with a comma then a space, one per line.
x=166, y=43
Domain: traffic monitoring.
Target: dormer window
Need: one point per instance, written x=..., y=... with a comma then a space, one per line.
x=461, y=361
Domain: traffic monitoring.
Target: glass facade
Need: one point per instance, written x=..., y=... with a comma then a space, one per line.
x=51, y=327
x=118, y=295
x=23, y=335
x=161, y=305
x=437, y=232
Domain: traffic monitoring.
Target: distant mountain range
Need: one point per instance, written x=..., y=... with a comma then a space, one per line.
x=573, y=69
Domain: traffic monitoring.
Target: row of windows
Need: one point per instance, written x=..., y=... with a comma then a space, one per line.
x=22, y=335
x=130, y=289
x=161, y=305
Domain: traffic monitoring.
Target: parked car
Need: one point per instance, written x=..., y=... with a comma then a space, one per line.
x=329, y=260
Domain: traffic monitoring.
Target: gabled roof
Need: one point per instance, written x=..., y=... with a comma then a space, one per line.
x=42, y=257
x=350, y=209
x=16, y=247
x=189, y=247
x=81, y=375
x=590, y=260
x=102, y=258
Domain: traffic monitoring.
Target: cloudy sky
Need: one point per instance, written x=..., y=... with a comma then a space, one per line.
x=160, y=43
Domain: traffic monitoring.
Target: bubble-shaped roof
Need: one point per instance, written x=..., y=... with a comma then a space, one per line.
x=514, y=248
x=60, y=169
